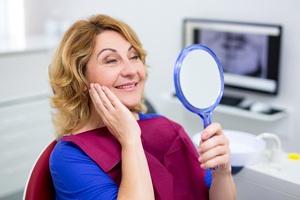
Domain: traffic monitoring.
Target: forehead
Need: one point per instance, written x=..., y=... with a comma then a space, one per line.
x=111, y=39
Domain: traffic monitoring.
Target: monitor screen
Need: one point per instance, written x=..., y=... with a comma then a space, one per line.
x=249, y=53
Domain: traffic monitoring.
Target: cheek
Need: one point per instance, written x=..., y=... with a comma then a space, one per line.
x=143, y=73
x=104, y=79
x=96, y=74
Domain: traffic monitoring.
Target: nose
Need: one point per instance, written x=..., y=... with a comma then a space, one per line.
x=128, y=69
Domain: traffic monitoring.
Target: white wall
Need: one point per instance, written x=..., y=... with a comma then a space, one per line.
x=158, y=23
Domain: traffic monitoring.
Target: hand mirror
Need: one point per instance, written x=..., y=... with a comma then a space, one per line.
x=199, y=80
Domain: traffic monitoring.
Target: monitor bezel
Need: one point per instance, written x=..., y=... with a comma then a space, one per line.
x=271, y=30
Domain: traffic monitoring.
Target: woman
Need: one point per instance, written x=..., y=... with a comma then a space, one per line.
x=108, y=149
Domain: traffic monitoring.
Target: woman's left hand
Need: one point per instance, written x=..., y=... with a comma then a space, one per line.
x=214, y=149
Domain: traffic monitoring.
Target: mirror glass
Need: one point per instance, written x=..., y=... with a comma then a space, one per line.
x=199, y=80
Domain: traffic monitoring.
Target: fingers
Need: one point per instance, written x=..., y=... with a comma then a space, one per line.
x=217, y=156
x=103, y=98
x=99, y=98
x=214, y=147
x=211, y=137
x=212, y=130
x=95, y=93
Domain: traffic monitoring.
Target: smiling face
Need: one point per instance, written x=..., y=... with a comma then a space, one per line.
x=116, y=64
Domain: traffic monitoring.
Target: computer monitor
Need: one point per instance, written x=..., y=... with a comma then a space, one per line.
x=249, y=53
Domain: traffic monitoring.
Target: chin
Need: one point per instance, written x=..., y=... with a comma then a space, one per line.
x=130, y=103
x=131, y=106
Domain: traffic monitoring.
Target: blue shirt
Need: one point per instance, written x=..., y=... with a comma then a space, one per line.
x=76, y=176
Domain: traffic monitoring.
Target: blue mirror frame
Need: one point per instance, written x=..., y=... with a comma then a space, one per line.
x=204, y=113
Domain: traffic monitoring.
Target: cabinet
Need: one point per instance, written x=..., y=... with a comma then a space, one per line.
x=25, y=129
x=25, y=118
x=266, y=180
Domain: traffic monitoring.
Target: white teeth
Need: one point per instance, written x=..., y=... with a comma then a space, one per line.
x=126, y=86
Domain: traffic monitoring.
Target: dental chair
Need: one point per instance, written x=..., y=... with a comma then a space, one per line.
x=39, y=184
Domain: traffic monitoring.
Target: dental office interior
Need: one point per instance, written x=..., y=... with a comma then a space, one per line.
x=31, y=29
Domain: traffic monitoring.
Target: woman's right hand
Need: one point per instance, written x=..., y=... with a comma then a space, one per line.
x=136, y=180
x=118, y=118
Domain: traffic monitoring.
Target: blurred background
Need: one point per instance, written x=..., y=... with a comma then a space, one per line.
x=31, y=29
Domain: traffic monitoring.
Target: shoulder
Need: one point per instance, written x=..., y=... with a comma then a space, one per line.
x=65, y=152
x=76, y=175
x=63, y=148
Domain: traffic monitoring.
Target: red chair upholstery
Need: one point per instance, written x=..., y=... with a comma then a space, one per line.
x=39, y=185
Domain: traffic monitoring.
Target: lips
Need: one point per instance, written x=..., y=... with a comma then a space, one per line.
x=126, y=86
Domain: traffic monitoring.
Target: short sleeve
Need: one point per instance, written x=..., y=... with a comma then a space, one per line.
x=77, y=176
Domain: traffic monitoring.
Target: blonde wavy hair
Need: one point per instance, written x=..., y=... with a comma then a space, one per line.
x=68, y=67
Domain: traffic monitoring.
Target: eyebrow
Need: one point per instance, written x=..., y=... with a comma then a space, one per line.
x=113, y=50
x=106, y=49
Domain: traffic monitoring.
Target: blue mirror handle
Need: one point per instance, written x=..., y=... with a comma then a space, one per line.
x=206, y=118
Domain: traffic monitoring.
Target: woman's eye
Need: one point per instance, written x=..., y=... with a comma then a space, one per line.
x=135, y=57
x=111, y=61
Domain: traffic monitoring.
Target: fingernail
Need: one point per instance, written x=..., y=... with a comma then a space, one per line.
x=204, y=134
x=199, y=150
x=200, y=159
x=95, y=86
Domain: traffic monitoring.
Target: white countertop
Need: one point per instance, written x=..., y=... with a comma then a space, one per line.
x=284, y=169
